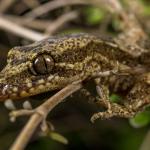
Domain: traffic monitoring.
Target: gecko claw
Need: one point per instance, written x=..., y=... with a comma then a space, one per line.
x=9, y=104
x=17, y=113
x=102, y=115
x=115, y=110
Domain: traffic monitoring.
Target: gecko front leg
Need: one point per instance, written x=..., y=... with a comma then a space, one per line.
x=139, y=97
x=112, y=109
x=135, y=101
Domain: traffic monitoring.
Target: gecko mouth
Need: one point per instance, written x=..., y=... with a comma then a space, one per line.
x=12, y=91
x=3, y=92
x=8, y=91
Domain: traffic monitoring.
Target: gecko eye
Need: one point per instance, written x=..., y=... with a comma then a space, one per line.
x=43, y=64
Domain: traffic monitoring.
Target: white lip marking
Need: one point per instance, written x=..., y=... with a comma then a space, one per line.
x=50, y=78
x=15, y=89
x=41, y=81
x=5, y=89
x=41, y=87
x=29, y=85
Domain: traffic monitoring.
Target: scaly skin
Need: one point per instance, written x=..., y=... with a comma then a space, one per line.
x=75, y=57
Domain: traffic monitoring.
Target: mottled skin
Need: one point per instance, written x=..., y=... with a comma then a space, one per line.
x=76, y=57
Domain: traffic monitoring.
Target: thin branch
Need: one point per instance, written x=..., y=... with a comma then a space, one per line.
x=40, y=113
x=55, y=25
x=134, y=6
x=36, y=23
x=5, y=4
x=19, y=30
x=49, y=6
x=32, y=4
x=47, y=25
x=145, y=145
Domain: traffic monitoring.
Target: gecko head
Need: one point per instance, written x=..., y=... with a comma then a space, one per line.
x=43, y=66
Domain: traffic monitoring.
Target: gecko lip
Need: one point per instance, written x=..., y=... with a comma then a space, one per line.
x=4, y=91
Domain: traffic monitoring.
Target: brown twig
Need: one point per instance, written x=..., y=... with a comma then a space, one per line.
x=134, y=6
x=32, y=4
x=49, y=26
x=55, y=25
x=145, y=145
x=25, y=21
x=19, y=30
x=5, y=4
x=49, y=6
x=40, y=113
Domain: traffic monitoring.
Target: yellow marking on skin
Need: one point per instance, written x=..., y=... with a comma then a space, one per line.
x=50, y=78
x=24, y=94
x=41, y=81
x=75, y=66
x=57, y=77
x=19, y=54
x=70, y=44
x=29, y=85
x=16, y=69
x=48, y=84
x=32, y=90
x=41, y=87
x=31, y=54
x=112, y=44
x=148, y=78
x=71, y=66
x=28, y=80
x=61, y=49
x=15, y=89
x=60, y=64
x=15, y=52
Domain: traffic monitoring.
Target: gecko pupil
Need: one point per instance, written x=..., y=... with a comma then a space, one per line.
x=43, y=64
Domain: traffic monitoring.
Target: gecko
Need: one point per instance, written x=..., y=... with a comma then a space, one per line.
x=57, y=61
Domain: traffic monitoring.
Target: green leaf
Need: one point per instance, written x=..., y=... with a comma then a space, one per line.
x=140, y=120
x=146, y=7
x=58, y=137
x=115, y=98
x=93, y=15
x=147, y=10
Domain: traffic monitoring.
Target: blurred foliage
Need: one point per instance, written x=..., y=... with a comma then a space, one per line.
x=115, y=98
x=146, y=7
x=58, y=137
x=93, y=15
x=140, y=120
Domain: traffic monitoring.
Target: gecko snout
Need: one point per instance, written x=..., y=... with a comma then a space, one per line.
x=3, y=92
